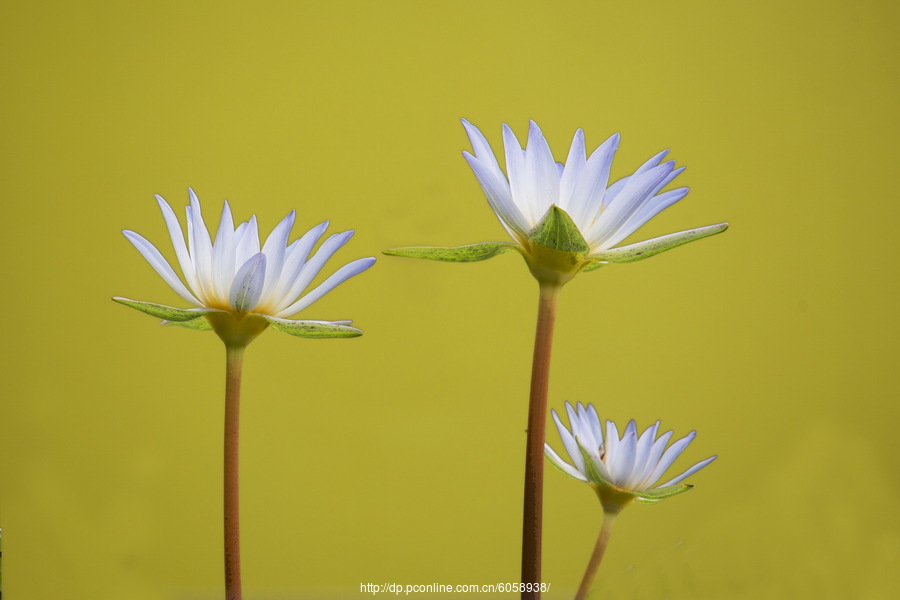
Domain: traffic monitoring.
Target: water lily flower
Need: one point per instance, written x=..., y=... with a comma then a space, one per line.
x=566, y=218
x=239, y=287
x=620, y=468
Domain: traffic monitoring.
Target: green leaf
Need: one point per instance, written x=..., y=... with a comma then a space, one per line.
x=313, y=329
x=470, y=253
x=656, y=494
x=648, y=248
x=556, y=230
x=161, y=311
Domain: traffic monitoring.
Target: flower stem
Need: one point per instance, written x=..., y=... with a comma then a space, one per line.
x=537, y=424
x=590, y=573
x=234, y=361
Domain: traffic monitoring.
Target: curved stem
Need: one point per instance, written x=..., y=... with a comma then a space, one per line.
x=590, y=573
x=234, y=360
x=537, y=424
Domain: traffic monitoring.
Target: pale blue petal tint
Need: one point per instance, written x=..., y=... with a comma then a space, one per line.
x=631, y=463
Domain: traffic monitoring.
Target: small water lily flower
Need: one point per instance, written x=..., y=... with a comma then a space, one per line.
x=239, y=287
x=566, y=218
x=620, y=468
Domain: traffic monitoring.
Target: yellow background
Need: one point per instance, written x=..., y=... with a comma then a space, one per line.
x=396, y=457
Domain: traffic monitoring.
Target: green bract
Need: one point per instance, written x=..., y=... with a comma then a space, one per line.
x=225, y=323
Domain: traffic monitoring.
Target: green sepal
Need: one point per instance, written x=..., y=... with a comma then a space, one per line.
x=470, y=253
x=313, y=329
x=654, y=495
x=591, y=469
x=195, y=324
x=648, y=248
x=594, y=265
x=558, y=231
x=161, y=311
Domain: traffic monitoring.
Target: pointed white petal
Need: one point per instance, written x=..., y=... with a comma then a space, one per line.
x=670, y=455
x=248, y=284
x=480, y=145
x=341, y=275
x=572, y=172
x=569, y=442
x=590, y=190
x=647, y=211
x=543, y=185
x=246, y=241
x=689, y=472
x=627, y=202
x=274, y=249
x=200, y=247
x=294, y=260
x=161, y=266
x=312, y=267
x=517, y=175
x=624, y=460
x=224, y=253
x=563, y=465
x=177, y=235
x=496, y=189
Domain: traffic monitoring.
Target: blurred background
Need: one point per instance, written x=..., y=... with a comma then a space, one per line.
x=397, y=457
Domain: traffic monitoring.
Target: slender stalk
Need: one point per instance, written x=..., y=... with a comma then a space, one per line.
x=590, y=573
x=234, y=361
x=537, y=424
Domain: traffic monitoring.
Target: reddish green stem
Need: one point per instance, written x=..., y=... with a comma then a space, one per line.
x=537, y=424
x=234, y=363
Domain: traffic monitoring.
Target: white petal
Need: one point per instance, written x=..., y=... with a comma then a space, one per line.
x=656, y=450
x=223, y=253
x=517, y=175
x=626, y=203
x=566, y=467
x=590, y=190
x=248, y=284
x=650, y=209
x=670, y=455
x=543, y=187
x=341, y=275
x=200, y=248
x=480, y=145
x=569, y=442
x=161, y=266
x=312, y=267
x=496, y=189
x=177, y=235
x=644, y=445
x=595, y=424
x=624, y=459
x=689, y=472
x=246, y=241
x=274, y=249
x=294, y=260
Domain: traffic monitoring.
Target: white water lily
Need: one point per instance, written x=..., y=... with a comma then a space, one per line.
x=620, y=468
x=566, y=218
x=234, y=276
x=604, y=214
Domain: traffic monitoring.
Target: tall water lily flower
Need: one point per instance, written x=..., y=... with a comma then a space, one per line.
x=620, y=468
x=564, y=219
x=238, y=289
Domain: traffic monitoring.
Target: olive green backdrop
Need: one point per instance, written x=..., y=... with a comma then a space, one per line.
x=397, y=457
